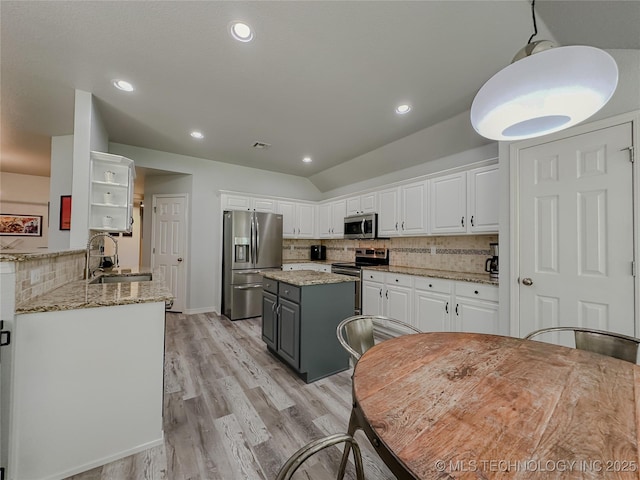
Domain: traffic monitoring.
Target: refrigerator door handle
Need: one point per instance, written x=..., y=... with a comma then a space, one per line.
x=257, y=239
x=251, y=243
x=247, y=287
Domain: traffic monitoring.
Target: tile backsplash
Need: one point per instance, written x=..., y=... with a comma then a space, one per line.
x=462, y=253
x=38, y=276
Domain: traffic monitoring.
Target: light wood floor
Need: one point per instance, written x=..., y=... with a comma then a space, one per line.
x=234, y=412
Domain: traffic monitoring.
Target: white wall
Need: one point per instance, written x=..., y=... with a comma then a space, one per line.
x=625, y=99
x=25, y=195
x=129, y=247
x=88, y=134
x=205, y=180
x=60, y=184
x=474, y=155
x=444, y=139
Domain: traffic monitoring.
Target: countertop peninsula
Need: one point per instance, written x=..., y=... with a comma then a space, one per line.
x=483, y=278
x=303, y=278
x=82, y=294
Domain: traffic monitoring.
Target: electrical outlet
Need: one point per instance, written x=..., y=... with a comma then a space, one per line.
x=433, y=250
x=35, y=275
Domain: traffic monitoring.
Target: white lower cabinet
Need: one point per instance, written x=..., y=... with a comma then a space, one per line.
x=431, y=304
x=476, y=308
x=387, y=294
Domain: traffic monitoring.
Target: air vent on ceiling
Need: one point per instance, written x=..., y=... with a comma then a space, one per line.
x=261, y=145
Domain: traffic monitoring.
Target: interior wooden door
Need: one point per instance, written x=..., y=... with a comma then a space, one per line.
x=576, y=232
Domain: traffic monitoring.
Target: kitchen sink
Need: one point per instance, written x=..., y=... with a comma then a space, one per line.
x=144, y=277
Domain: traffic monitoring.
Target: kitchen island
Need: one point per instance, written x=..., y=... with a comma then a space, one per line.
x=301, y=310
x=85, y=375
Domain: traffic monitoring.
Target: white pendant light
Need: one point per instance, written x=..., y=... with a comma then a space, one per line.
x=544, y=90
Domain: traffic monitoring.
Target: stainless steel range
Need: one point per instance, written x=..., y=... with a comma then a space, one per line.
x=365, y=257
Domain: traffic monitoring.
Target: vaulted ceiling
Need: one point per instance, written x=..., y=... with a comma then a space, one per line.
x=320, y=78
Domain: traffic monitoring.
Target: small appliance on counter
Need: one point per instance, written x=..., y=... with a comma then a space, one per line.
x=318, y=252
x=491, y=264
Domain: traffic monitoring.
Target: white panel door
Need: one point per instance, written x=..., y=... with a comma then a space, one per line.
x=432, y=311
x=449, y=203
x=576, y=233
x=288, y=212
x=372, y=298
x=306, y=220
x=482, y=200
x=398, y=303
x=388, y=212
x=169, y=244
x=338, y=212
x=414, y=208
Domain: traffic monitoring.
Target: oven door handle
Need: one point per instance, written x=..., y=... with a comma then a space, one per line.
x=346, y=271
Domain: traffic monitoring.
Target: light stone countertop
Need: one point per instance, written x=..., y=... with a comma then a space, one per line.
x=37, y=254
x=315, y=262
x=303, y=278
x=80, y=294
x=482, y=278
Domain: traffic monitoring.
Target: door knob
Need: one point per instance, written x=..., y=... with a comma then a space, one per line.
x=527, y=281
x=179, y=259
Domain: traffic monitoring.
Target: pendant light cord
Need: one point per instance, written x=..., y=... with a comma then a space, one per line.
x=535, y=26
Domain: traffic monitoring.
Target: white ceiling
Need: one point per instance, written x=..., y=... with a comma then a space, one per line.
x=320, y=78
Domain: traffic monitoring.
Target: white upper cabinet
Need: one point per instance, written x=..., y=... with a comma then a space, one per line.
x=331, y=219
x=111, y=192
x=244, y=202
x=449, y=203
x=403, y=210
x=365, y=203
x=465, y=202
x=483, y=198
x=298, y=219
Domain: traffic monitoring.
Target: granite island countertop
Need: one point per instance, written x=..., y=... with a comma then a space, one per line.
x=482, y=278
x=82, y=294
x=38, y=254
x=303, y=278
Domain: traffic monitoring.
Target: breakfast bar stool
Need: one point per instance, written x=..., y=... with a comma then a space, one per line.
x=298, y=458
x=611, y=344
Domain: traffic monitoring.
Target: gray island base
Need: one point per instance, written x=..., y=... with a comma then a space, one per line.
x=300, y=313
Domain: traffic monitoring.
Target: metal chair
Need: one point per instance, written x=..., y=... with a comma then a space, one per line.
x=358, y=334
x=611, y=344
x=298, y=458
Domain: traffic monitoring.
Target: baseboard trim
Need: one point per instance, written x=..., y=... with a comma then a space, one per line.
x=192, y=311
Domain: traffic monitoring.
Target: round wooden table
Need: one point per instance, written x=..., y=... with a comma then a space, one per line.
x=462, y=405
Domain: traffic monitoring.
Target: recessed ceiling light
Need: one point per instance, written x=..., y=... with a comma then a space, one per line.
x=241, y=32
x=307, y=160
x=123, y=85
x=402, y=109
x=196, y=134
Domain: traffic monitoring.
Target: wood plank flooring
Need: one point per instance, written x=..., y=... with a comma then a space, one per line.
x=234, y=412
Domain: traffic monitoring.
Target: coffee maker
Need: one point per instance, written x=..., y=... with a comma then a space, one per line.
x=491, y=265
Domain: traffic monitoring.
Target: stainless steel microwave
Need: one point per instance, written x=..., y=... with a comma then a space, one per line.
x=361, y=226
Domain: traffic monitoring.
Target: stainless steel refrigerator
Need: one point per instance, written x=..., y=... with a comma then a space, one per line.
x=252, y=242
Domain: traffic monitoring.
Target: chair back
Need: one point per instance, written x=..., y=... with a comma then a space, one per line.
x=298, y=458
x=358, y=334
x=611, y=344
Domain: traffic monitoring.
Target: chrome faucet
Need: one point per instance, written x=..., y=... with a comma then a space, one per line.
x=88, y=272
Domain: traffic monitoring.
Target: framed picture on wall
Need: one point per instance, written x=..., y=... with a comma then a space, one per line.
x=20, y=225
x=65, y=212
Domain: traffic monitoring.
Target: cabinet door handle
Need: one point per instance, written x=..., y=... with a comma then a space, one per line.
x=472, y=224
x=446, y=307
x=462, y=221
x=402, y=225
x=386, y=294
x=396, y=225
x=457, y=309
x=380, y=293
